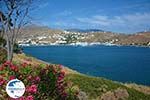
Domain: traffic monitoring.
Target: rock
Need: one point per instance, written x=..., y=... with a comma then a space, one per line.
x=121, y=94
x=118, y=94
x=82, y=96
x=108, y=96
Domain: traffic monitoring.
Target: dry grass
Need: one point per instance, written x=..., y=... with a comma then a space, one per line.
x=141, y=88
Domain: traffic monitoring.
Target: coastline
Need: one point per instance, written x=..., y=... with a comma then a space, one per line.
x=117, y=45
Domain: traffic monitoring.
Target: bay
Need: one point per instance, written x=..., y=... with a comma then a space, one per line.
x=118, y=63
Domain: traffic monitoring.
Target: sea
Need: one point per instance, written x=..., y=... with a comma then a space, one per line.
x=127, y=64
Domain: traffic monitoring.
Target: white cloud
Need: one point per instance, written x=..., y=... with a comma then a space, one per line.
x=102, y=20
x=138, y=18
x=64, y=13
x=132, y=20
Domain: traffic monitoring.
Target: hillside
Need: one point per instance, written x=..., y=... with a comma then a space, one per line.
x=84, y=30
x=44, y=35
x=38, y=31
x=142, y=38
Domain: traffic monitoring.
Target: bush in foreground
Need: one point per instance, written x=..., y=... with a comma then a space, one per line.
x=42, y=83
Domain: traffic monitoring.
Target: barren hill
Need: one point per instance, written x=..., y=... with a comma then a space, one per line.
x=53, y=35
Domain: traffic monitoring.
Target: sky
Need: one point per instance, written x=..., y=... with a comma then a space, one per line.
x=125, y=16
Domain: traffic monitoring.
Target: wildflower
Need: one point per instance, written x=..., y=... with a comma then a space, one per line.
x=62, y=73
x=29, y=77
x=11, y=77
x=7, y=63
x=32, y=79
x=30, y=97
x=43, y=71
x=22, y=98
x=14, y=68
x=64, y=94
x=32, y=89
x=2, y=81
x=37, y=79
x=59, y=79
x=21, y=77
x=24, y=64
x=1, y=68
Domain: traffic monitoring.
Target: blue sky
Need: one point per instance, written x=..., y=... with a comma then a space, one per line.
x=127, y=16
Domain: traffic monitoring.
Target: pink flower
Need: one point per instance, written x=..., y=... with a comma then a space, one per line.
x=14, y=68
x=29, y=77
x=65, y=94
x=24, y=64
x=30, y=97
x=7, y=63
x=12, y=77
x=59, y=78
x=22, y=98
x=37, y=79
x=2, y=81
x=32, y=89
x=62, y=73
x=34, y=79
x=1, y=68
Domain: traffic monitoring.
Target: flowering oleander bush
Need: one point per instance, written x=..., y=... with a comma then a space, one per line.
x=42, y=83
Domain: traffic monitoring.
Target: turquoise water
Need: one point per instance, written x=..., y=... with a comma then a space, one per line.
x=124, y=63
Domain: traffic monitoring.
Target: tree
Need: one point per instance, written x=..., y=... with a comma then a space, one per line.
x=2, y=40
x=13, y=16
